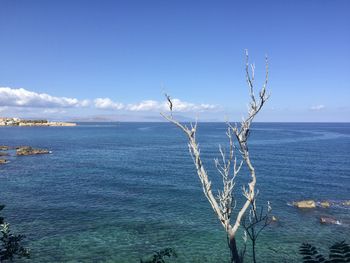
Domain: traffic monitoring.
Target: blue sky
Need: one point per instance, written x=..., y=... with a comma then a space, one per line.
x=109, y=59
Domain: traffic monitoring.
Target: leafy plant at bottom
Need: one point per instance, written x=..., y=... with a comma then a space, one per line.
x=310, y=254
x=339, y=252
x=10, y=244
x=159, y=256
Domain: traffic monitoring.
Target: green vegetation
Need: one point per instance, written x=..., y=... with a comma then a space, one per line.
x=159, y=256
x=10, y=244
x=339, y=252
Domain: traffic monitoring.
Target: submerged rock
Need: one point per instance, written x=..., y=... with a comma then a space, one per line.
x=325, y=204
x=329, y=220
x=3, y=161
x=27, y=150
x=305, y=204
x=3, y=154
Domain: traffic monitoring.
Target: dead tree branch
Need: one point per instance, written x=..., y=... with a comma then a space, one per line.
x=228, y=167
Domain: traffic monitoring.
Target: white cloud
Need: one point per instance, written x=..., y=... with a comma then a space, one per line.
x=146, y=105
x=107, y=103
x=183, y=106
x=153, y=105
x=317, y=107
x=22, y=98
x=26, y=98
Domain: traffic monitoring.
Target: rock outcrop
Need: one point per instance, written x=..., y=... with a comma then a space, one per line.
x=325, y=204
x=30, y=151
x=329, y=220
x=305, y=204
x=3, y=161
x=346, y=203
x=3, y=154
x=4, y=148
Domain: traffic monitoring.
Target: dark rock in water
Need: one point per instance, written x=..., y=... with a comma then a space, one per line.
x=3, y=154
x=27, y=150
x=329, y=220
x=3, y=161
x=4, y=148
x=305, y=204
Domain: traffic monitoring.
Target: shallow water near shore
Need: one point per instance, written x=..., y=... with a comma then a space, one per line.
x=114, y=192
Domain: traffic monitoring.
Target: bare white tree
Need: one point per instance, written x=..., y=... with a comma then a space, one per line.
x=224, y=203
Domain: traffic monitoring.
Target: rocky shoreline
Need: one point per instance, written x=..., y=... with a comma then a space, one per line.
x=31, y=123
x=20, y=151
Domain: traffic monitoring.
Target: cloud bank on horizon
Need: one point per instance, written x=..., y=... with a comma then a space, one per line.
x=23, y=103
x=152, y=105
x=22, y=98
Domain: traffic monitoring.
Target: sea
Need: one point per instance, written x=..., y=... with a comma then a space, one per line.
x=118, y=192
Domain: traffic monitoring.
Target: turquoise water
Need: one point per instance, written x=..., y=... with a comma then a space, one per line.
x=115, y=192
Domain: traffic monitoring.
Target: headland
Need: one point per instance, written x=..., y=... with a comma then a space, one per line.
x=30, y=123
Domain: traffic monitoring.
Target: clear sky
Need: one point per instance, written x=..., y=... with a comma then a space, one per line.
x=109, y=59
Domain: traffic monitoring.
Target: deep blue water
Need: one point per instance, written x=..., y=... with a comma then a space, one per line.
x=115, y=192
